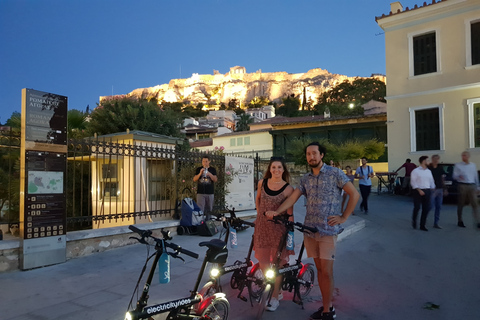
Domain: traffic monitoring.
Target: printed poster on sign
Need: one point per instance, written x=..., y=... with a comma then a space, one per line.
x=241, y=190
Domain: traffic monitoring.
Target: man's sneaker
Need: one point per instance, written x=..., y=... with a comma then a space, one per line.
x=273, y=305
x=318, y=315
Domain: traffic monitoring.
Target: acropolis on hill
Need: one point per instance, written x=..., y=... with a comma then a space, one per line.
x=217, y=88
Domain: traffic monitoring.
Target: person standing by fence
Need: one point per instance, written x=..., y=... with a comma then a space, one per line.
x=205, y=176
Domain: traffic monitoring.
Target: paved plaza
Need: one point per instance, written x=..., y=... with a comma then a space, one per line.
x=385, y=270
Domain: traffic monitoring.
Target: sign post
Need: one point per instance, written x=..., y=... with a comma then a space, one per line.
x=42, y=179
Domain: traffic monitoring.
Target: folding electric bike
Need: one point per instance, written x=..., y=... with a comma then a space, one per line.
x=241, y=277
x=297, y=277
x=195, y=306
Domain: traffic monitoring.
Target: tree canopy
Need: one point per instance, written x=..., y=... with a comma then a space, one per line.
x=347, y=97
x=290, y=107
x=118, y=115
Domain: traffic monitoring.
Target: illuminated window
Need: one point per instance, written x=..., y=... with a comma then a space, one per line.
x=109, y=180
x=158, y=173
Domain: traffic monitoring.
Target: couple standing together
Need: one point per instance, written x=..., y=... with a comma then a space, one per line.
x=322, y=188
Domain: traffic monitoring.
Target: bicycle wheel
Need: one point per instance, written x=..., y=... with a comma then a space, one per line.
x=217, y=310
x=264, y=299
x=255, y=287
x=306, y=282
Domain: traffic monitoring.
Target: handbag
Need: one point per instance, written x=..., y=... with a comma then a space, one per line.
x=207, y=228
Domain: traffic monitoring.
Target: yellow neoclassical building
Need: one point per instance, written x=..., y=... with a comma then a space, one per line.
x=433, y=72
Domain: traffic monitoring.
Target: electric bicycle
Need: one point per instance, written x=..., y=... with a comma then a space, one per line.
x=241, y=276
x=297, y=277
x=193, y=307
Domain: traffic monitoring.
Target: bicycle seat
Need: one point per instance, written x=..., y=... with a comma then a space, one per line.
x=217, y=251
x=213, y=244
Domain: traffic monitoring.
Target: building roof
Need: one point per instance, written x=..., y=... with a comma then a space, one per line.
x=192, y=128
x=201, y=143
x=142, y=135
x=239, y=133
x=312, y=119
x=407, y=9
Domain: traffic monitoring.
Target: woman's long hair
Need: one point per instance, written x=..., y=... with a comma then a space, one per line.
x=285, y=175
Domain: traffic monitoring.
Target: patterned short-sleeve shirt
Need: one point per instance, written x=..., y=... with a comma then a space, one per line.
x=324, y=198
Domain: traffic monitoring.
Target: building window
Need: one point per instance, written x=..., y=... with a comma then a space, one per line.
x=246, y=141
x=109, y=180
x=424, y=54
x=426, y=128
x=239, y=141
x=158, y=173
x=474, y=122
x=475, y=42
x=232, y=142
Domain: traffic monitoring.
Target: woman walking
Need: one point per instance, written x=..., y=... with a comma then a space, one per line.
x=271, y=192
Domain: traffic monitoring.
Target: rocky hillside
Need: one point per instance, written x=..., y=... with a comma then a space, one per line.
x=237, y=84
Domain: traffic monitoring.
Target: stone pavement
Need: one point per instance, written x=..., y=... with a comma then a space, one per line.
x=386, y=270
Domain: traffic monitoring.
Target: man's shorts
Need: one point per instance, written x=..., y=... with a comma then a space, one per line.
x=323, y=247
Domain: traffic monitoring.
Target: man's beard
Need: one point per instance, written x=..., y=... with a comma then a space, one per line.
x=314, y=164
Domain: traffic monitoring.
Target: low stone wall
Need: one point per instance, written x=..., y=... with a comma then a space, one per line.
x=86, y=242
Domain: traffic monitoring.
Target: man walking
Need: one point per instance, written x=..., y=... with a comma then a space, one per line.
x=465, y=173
x=422, y=183
x=438, y=192
x=205, y=176
x=322, y=188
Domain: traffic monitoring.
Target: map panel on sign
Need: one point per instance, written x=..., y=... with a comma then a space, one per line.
x=45, y=182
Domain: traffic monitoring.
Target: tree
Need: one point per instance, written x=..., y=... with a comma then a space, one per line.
x=77, y=123
x=290, y=107
x=347, y=97
x=243, y=123
x=15, y=121
x=348, y=150
x=119, y=114
x=259, y=102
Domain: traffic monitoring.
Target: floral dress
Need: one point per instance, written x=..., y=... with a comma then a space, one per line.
x=268, y=234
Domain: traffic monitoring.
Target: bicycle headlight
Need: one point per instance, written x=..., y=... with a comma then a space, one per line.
x=128, y=316
x=270, y=274
x=214, y=272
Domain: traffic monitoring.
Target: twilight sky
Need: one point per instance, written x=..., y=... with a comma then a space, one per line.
x=84, y=49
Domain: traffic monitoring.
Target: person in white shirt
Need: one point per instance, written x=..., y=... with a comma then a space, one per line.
x=422, y=183
x=465, y=173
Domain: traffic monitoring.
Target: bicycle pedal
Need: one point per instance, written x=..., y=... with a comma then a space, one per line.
x=243, y=298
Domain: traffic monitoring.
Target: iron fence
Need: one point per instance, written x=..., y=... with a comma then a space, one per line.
x=110, y=183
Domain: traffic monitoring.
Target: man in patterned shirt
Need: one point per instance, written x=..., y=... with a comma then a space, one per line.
x=322, y=188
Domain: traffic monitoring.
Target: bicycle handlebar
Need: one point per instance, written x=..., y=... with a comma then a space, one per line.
x=148, y=233
x=300, y=226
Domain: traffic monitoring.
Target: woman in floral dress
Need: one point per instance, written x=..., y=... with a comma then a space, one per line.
x=271, y=192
